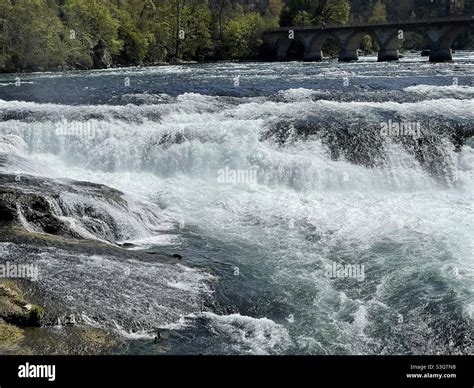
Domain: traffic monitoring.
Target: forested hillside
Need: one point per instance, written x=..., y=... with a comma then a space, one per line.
x=83, y=34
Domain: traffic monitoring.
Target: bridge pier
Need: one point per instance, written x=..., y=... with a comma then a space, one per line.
x=388, y=55
x=348, y=55
x=441, y=55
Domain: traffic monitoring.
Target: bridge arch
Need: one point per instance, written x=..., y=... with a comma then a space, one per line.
x=417, y=38
x=284, y=44
x=419, y=31
x=296, y=50
x=448, y=38
x=353, y=41
x=314, y=51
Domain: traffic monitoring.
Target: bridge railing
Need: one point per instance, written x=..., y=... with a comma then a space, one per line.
x=447, y=19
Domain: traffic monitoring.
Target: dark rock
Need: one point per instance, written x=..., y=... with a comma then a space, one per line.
x=366, y=147
x=101, y=58
x=70, y=320
x=127, y=245
x=38, y=201
x=157, y=337
x=34, y=208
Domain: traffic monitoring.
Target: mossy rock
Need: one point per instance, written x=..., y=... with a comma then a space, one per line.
x=14, y=309
x=9, y=335
x=12, y=303
x=8, y=287
x=96, y=339
x=71, y=340
x=35, y=316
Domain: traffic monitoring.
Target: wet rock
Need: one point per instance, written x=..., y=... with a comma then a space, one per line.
x=70, y=320
x=127, y=245
x=70, y=340
x=21, y=331
x=34, y=208
x=10, y=335
x=7, y=211
x=14, y=309
x=39, y=203
x=157, y=337
x=367, y=147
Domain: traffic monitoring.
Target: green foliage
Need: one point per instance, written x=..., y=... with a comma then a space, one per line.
x=273, y=13
x=5, y=9
x=36, y=315
x=405, y=8
x=92, y=31
x=134, y=44
x=9, y=335
x=316, y=12
x=379, y=12
x=303, y=18
x=366, y=43
x=336, y=11
x=196, y=38
x=413, y=41
x=83, y=34
x=242, y=35
x=32, y=35
x=331, y=48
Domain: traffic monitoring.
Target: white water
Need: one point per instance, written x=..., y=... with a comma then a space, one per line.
x=306, y=210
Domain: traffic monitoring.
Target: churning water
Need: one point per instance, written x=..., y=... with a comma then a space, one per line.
x=264, y=177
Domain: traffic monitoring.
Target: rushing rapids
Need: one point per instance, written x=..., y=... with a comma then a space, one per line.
x=374, y=175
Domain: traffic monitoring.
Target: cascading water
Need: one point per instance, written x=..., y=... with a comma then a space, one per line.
x=184, y=144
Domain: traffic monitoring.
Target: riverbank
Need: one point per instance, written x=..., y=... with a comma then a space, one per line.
x=180, y=62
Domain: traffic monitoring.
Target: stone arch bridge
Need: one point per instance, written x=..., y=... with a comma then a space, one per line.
x=440, y=33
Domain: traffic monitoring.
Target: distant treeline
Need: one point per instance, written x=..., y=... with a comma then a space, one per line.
x=84, y=34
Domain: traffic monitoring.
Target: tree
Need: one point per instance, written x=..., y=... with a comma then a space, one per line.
x=196, y=37
x=379, y=13
x=318, y=11
x=336, y=11
x=93, y=33
x=242, y=35
x=303, y=18
x=273, y=13
x=5, y=59
x=83, y=34
x=33, y=36
x=134, y=44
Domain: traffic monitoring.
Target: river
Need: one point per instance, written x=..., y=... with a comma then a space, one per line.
x=266, y=178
